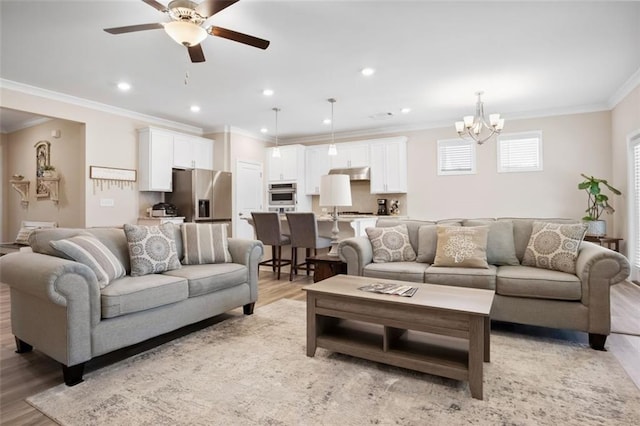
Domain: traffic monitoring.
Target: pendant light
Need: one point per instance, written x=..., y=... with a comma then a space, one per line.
x=332, y=146
x=276, y=151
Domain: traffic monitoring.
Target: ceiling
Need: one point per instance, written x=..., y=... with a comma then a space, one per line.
x=530, y=58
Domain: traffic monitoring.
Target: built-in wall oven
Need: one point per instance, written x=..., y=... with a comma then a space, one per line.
x=282, y=194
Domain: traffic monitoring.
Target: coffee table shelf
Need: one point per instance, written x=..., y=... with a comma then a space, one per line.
x=441, y=330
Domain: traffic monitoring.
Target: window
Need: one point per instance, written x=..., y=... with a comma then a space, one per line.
x=634, y=185
x=456, y=157
x=520, y=152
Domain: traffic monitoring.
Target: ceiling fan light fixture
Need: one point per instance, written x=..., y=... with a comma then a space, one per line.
x=185, y=33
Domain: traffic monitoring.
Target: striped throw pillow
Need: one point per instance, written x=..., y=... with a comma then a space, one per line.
x=205, y=243
x=89, y=251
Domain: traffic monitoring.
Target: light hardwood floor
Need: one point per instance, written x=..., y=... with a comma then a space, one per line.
x=28, y=374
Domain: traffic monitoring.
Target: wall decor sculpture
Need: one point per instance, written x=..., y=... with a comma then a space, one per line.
x=43, y=162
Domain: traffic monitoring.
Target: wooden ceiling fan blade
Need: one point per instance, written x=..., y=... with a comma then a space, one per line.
x=134, y=28
x=156, y=5
x=196, y=54
x=209, y=8
x=239, y=37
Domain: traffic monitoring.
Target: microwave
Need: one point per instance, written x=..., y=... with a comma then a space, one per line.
x=282, y=194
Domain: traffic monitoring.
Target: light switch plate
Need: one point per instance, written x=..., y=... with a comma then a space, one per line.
x=107, y=202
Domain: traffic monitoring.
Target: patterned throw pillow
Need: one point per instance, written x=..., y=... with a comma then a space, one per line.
x=90, y=251
x=462, y=246
x=554, y=246
x=23, y=236
x=152, y=249
x=205, y=243
x=391, y=244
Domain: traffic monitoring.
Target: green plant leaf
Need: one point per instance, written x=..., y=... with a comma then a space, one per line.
x=588, y=218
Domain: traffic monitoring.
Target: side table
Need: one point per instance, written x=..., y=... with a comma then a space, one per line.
x=326, y=266
x=609, y=242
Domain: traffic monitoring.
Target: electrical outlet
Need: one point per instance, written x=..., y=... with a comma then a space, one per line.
x=107, y=202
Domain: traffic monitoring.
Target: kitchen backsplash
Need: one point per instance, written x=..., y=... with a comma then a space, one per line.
x=363, y=200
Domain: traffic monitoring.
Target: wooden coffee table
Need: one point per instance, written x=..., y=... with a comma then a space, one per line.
x=441, y=330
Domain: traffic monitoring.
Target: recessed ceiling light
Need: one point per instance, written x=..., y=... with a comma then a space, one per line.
x=326, y=121
x=405, y=110
x=267, y=92
x=368, y=71
x=264, y=130
x=195, y=108
x=123, y=86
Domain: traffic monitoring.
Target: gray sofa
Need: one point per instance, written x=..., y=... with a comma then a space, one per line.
x=57, y=305
x=524, y=294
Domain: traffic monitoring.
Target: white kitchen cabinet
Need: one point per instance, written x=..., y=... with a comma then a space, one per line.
x=389, y=166
x=351, y=155
x=289, y=166
x=317, y=163
x=192, y=152
x=155, y=154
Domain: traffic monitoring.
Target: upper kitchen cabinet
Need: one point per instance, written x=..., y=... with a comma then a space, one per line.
x=351, y=155
x=155, y=154
x=389, y=166
x=317, y=163
x=289, y=166
x=192, y=152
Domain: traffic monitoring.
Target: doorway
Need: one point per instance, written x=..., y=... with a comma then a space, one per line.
x=249, y=196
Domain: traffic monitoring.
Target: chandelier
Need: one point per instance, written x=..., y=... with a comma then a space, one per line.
x=276, y=150
x=476, y=126
x=333, y=150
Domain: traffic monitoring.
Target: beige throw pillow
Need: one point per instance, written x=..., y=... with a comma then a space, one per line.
x=205, y=243
x=391, y=244
x=462, y=246
x=554, y=246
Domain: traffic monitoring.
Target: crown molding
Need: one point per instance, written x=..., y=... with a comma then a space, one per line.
x=25, y=125
x=625, y=89
x=238, y=131
x=62, y=97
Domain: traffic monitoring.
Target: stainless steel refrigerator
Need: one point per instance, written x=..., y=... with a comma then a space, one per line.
x=201, y=195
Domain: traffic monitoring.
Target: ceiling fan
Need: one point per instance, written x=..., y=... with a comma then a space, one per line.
x=186, y=27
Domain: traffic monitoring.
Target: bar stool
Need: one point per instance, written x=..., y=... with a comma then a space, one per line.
x=267, y=226
x=303, y=229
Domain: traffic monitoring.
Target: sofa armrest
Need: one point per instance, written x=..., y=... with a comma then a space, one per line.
x=60, y=292
x=356, y=252
x=248, y=253
x=598, y=269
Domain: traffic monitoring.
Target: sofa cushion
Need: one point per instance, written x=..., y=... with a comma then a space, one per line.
x=208, y=278
x=427, y=243
x=554, y=246
x=462, y=247
x=462, y=277
x=152, y=249
x=128, y=294
x=205, y=243
x=404, y=271
x=527, y=281
x=412, y=227
x=89, y=251
x=522, y=231
x=501, y=248
x=391, y=244
x=40, y=240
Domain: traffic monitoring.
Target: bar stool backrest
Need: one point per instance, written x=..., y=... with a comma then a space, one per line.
x=304, y=229
x=267, y=226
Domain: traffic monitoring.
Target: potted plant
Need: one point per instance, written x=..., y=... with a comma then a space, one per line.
x=597, y=203
x=48, y=171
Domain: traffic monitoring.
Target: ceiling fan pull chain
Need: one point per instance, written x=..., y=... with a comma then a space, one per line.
x=186, y=78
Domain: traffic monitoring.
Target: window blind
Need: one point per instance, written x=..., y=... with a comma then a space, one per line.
x=520, y=152
x=635, y=217
x=456, y=157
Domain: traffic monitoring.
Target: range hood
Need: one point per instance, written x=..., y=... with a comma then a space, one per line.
x=355, y=173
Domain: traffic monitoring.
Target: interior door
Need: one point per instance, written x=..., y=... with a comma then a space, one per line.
x=249, y=190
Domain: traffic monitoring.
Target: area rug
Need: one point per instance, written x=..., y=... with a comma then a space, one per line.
x=253, y=370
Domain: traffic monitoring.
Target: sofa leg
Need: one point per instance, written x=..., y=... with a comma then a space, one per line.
x=22, y=347
x=248, y=308
x=73, y=375
x=596, y=341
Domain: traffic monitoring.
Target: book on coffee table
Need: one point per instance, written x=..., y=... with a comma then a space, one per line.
x=394, y=289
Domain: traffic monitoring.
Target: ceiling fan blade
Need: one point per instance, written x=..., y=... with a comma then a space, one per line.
x=210, y=7
x=239, y=37
x=156, y=5
x=195, y=53
x=133, y=28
